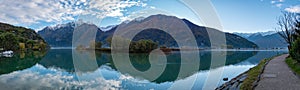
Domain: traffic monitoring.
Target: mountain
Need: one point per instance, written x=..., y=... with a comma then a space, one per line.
x=246, y=35
x=270, y=39
x=61, y=35
x=15, y=37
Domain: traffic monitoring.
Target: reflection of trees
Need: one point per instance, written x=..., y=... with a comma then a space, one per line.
x=63, y=60
x=20, y=61
x=141, y=62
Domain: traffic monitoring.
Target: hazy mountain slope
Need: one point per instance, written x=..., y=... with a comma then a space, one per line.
x=272, y=40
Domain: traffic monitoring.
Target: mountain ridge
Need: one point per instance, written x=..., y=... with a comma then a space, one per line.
x=270, y=40
x=57, y=37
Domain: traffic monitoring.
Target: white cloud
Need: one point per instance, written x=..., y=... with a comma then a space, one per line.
x=280, y=0
x=293, y=9
x=279, y=5
x=272, y=2
x=55, y=11
x=276, y=1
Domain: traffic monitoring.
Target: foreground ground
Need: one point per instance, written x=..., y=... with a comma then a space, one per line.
x=278, y=76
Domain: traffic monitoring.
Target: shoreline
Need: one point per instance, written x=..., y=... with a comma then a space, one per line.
x=236, y=82
x=187, y=49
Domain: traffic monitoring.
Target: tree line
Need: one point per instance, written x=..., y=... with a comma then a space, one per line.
x=11, y=41
x=140, y=46
x=289, y=29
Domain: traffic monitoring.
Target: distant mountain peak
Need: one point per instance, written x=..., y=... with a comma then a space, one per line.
x=70, y=24
x=246, y=35
x=107, y=28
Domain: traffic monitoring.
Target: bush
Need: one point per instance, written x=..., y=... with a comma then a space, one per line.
x=295, y=50
x=9, y=41
x=22, y=46
x=143, y=46
x=293, y=64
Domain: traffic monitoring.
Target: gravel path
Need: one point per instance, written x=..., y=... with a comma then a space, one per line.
x=278, y=76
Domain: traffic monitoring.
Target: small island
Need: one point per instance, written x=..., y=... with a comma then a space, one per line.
x=140, y=46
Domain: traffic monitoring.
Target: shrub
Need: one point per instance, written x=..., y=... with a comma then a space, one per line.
x=98, y=45
x=22, y=46
x=143, y=46
x=295, y=50
x=42, y=45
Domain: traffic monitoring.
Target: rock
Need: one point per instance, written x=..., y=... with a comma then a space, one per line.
x=225, y=79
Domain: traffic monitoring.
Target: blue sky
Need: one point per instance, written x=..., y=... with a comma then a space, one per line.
x=235, y=15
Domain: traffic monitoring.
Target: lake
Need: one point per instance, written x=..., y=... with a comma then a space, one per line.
x=64, y=69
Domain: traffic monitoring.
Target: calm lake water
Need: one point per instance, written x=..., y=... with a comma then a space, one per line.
x=56, y=69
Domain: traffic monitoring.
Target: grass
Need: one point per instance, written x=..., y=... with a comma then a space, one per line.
x=293, y=64
x=253, y=74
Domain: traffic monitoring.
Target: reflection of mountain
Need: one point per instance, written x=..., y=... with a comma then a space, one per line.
x=63, y=59
x=263, y=55
x=61, y=35
x=20, y=61
x=60, y=58
x=172, y=70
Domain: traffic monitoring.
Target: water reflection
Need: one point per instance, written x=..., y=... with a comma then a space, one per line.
x=56, y=70
x=20, y=61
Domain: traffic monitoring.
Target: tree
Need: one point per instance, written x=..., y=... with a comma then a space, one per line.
x=9, y=41
x=98, y=45
x=119, y=42
x=30, y=43
x=92, y=44
x=22, y=46
x=43, y=45
x=297, y=27
x=286, y=25
x=108, y=40
x=95, y=45
x=80, y=47
x=143, y=46
x=295, y=50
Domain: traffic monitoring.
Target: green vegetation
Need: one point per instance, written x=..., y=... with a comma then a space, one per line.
x=80, y=47
x=9, y=41
x=92, y=46
x=19, y=38
x=95, y=45
x=142, y=46
x=295, y=47
x=295, y=50
x=294, y=60
x=293, y=64
x=253, y=74
x=20, y=60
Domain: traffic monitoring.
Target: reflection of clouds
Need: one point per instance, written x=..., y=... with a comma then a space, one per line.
x=104, y=78
x=39, y=77
x=230, y=72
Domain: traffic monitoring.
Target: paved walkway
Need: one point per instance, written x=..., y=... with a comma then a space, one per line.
x=278, y=76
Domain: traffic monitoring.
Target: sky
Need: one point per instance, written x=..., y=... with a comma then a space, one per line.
x=245, y=16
